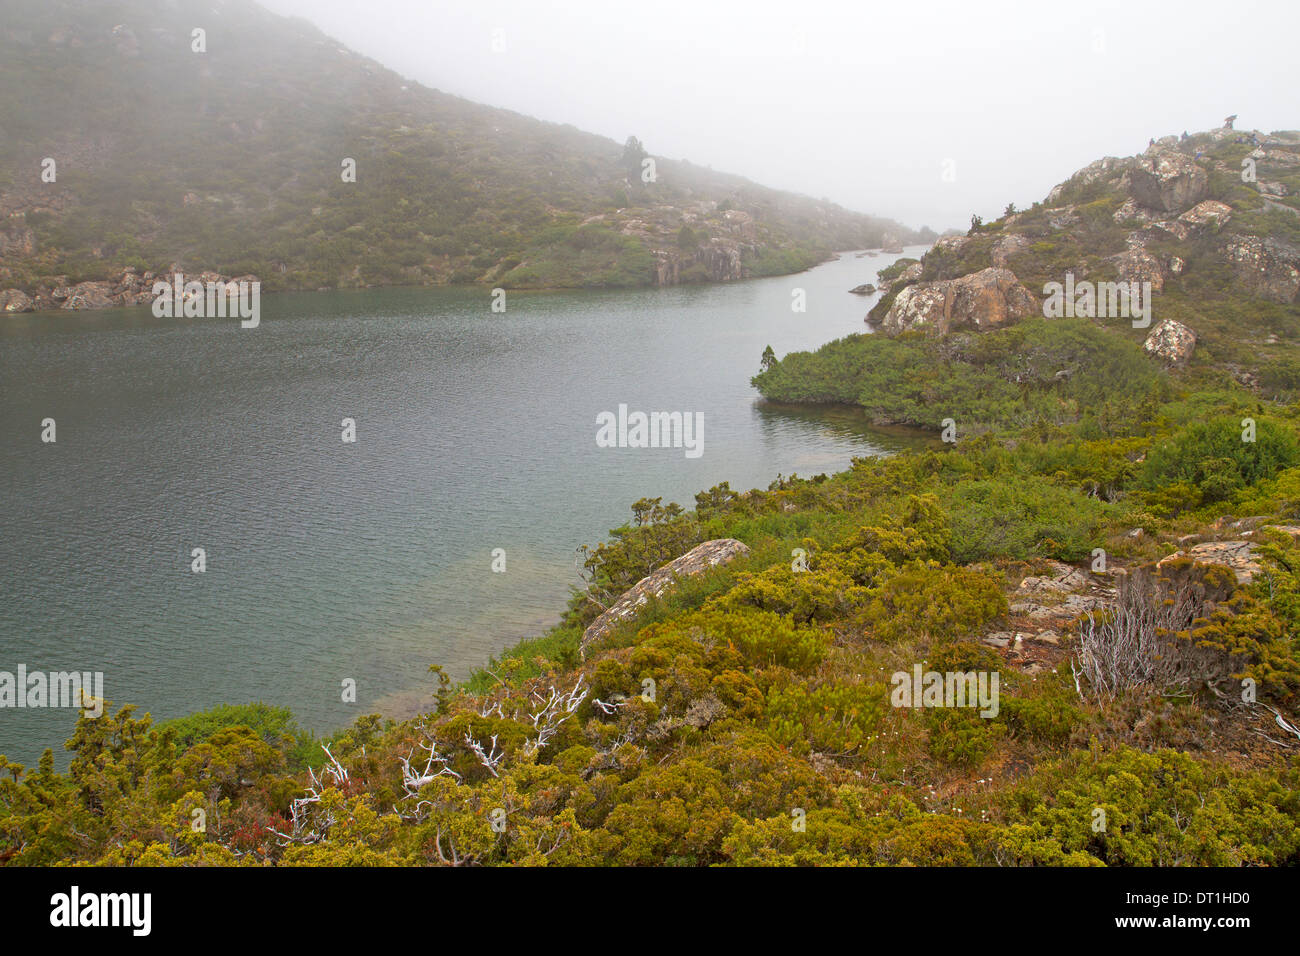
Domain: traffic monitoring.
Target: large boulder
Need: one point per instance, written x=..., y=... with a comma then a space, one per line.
x=1171, y=341
x=699, y=559
x=1167, y=180
x=1268, y=268
x=982, y=300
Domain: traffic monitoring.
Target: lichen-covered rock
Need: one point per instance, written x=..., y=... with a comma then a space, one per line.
x=1266, y=267
x=699, y=559
x=949, y=244
x=982, y=300
x=1239, y=556
x=1171, y=341
x=910, y=274
x=1211, y=212
x=1137, y=265
x=1167, y=180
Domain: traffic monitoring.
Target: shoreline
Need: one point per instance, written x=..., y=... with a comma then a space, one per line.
x=198, y=276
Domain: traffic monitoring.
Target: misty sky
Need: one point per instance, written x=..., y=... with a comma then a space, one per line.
x=861, y=102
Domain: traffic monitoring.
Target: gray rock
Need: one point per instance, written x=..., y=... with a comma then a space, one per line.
x=699, y=559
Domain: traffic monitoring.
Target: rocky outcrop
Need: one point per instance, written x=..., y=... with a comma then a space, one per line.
x=1130, y=211
x=1006, y=247
x=699, y=559
x=1239, y=556
x=130, y=287
x=667, y=268
x=1171, y=341
x=949, y=245
x=865, y=289
x=89, y=295
x=1047, y=606
x=1267, y=267
x=1108, y=168
x=910, y=274
x=15, y=300
x=1167, y=180
x=721, y=260
x=982, y=300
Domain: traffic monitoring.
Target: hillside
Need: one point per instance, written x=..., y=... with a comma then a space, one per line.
x=1221, y=255
x=231, y=161
x=1105, y=541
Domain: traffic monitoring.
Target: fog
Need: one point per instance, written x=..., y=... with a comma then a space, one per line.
x=867, y=104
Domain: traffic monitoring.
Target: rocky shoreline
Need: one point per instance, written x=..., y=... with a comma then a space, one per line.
x=130, y=287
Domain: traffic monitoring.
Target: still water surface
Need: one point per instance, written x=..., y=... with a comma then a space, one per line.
x=370, y=561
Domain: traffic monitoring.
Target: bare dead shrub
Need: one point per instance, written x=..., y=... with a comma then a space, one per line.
x=1143, y=639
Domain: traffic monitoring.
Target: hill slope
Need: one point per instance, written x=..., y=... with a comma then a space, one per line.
x=232, y=160
x=1221, y=254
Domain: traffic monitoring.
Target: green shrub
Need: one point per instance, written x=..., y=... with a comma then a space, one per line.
x=943, y=602
x=1214, y=457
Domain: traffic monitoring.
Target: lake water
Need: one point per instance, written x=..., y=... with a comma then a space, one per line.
x=369, y=561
